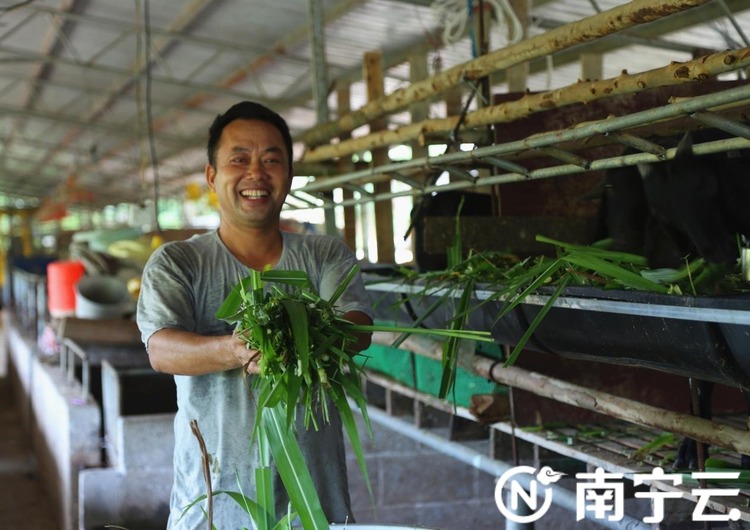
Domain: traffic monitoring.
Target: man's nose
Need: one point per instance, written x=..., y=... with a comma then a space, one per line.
x=255, y=168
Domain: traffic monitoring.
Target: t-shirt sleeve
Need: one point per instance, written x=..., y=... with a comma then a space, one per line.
x=166, y=294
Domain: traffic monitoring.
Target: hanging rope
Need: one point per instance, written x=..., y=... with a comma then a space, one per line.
x=455, y=14
x=149, y=114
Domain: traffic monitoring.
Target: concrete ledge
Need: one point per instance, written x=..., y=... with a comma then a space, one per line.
x=136, y=499
x=145, y=442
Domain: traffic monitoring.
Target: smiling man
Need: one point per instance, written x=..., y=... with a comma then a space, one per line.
x=183, y=285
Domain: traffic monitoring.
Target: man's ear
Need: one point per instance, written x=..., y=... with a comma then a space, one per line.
x=210, y=176
x=291, y=178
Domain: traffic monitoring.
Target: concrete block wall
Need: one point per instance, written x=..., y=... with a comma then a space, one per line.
x=133, y=490
x=145, y=442
x=65, y=424
x=418, y=486
x=138, y=499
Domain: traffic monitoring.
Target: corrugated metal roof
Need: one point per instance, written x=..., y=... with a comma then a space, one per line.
x=75, y=91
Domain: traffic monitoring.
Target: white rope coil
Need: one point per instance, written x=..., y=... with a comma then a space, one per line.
x=454, y=15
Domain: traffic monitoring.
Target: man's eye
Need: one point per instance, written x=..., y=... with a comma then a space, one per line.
x=238, y=160
x=271, y=161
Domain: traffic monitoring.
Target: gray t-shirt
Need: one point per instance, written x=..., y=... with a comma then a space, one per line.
x=183, y=285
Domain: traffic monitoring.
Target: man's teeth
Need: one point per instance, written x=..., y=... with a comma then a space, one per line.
x=254, y=194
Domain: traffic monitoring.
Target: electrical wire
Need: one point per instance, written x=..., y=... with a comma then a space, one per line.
x=4, y=10
x=149, y=115
x=140, y=124
x=454, y=15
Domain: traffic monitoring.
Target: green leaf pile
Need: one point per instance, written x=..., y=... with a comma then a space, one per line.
x=306, y=361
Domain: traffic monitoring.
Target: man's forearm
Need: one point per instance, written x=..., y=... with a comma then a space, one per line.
x=181, y=352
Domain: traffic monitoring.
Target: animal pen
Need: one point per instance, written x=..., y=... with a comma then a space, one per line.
x=642, y=346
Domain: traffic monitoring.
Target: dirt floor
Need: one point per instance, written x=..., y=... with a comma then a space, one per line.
x=23, y=503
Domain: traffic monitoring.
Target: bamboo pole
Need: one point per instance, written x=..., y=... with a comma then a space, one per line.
x=733, y=97
x=429, y=347
x=418, y=344
x=588, y=29
x=625, y=409
x=675, y=73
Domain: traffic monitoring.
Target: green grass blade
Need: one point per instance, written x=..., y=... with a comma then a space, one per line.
x=324, y=343
x=293, y=470
x=344, y=284
x=619, y=274
x=424, y=314
x=230, y=309
x=450, y=347
x=286, y=522
x=665, y=276
x=470, y=334
x=265, y=499
x=286, y=277
x=256, y=284
x=662, y=440
x=294, y=385
x=540, y=280
x=350, y=426
x=613, y=255
x=297, y=313
x=269, y=396
x=246, y=503
x=454, y=252
x=535, y=323
x=264, y=487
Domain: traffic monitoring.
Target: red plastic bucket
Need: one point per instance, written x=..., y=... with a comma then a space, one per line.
x=62, y=277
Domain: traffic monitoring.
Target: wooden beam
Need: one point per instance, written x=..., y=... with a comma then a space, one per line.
x=588, y=29
x=648, y=34
x=373, y=74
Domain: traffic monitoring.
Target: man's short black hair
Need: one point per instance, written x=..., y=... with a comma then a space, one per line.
x=246, y=110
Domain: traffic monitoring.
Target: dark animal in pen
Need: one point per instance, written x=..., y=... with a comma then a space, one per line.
x=692, y=206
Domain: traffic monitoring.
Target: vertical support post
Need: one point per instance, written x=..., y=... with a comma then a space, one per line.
x=343, y=104
x=518, y=75
x=482, y=27
x=320, y=84
x=373, y=74
x=592, y=66
x=318, y=60
x=420, y=110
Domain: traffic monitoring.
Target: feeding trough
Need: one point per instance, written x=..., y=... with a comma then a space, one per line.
x=701, y=337
x=697, y=337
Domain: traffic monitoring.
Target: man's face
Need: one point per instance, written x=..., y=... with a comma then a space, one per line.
x=252, y=176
